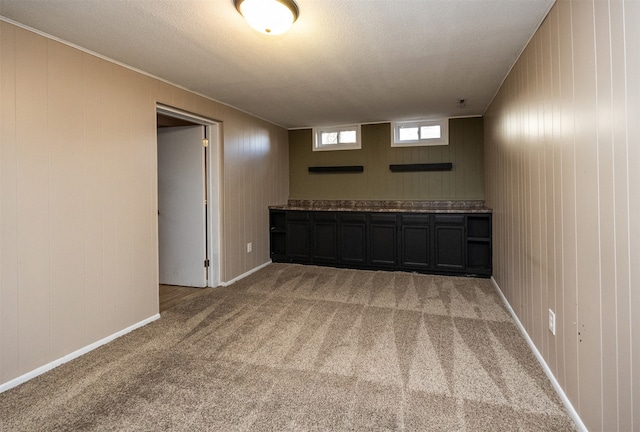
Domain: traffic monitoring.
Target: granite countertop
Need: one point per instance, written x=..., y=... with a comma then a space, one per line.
x=474, y=206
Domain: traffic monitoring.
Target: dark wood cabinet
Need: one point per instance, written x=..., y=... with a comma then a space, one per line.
x=449, y=247
x=383, y=242
x=298, y=236
x=449, y=242
x=440, y=243
x=353, y=238
x=415, y=241
x=324, y=246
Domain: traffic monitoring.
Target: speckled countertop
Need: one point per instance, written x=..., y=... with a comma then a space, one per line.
x=475, y=206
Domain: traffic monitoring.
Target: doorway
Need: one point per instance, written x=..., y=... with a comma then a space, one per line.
x=188, y=199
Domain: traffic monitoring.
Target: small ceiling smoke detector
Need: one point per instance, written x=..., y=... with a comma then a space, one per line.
x=272, y=17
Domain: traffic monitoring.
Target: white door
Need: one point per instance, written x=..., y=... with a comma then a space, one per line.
x=181, y=206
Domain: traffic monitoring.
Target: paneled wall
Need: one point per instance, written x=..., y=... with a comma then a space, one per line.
x=377, y=182
x=562, y=160
x=78, y=213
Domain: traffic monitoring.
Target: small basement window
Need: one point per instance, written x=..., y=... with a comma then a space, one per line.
x=420, y=133
x=337, y=138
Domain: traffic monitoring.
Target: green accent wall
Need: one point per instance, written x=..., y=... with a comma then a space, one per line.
x=377, y=182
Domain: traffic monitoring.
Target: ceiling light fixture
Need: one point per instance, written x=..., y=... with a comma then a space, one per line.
x=272, y=17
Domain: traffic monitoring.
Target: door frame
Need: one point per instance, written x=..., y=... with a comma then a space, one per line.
x=213, y=160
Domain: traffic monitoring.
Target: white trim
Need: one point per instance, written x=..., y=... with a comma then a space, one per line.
x=77, y=353
x=545, y=367
x=442, y=140
x=244, y=275
x=465, y=116
x=215, y=177
x=214, y=186
x=184, y=115
x=366, y=123
x=318, y=131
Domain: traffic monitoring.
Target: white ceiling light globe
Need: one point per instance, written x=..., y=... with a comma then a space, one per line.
x=272, y=17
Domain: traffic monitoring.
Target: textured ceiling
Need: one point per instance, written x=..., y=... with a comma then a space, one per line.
x=343, y=61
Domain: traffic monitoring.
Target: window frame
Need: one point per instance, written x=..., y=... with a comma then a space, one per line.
x=442, y=141
x=317, y=138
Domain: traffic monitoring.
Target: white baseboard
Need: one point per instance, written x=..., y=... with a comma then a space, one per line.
x=42, y=369
x=556, y=385
x=244, y=275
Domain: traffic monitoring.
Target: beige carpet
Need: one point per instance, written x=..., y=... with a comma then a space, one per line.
x=306, y=348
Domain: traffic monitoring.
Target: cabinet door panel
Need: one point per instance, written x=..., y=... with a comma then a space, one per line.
x=353, y=238
x=298, y=236
x=353, y=243
x=383, y=244
x=325, y=241
x=298, y=241
x=450, y=247
x=415, y=246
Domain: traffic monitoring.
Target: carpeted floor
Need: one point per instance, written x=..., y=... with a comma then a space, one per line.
x=306, y=348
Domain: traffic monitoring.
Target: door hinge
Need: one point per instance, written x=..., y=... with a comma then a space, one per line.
x=206, y=263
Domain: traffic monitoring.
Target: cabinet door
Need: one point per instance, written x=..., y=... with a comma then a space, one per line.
x=415, y=241
x=353, y=238
x=383, y=243
x=325, y=237
x=449, y=247
x=298, y=236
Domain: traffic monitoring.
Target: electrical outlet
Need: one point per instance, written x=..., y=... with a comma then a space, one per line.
x=249, y=247
x=552, y=322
